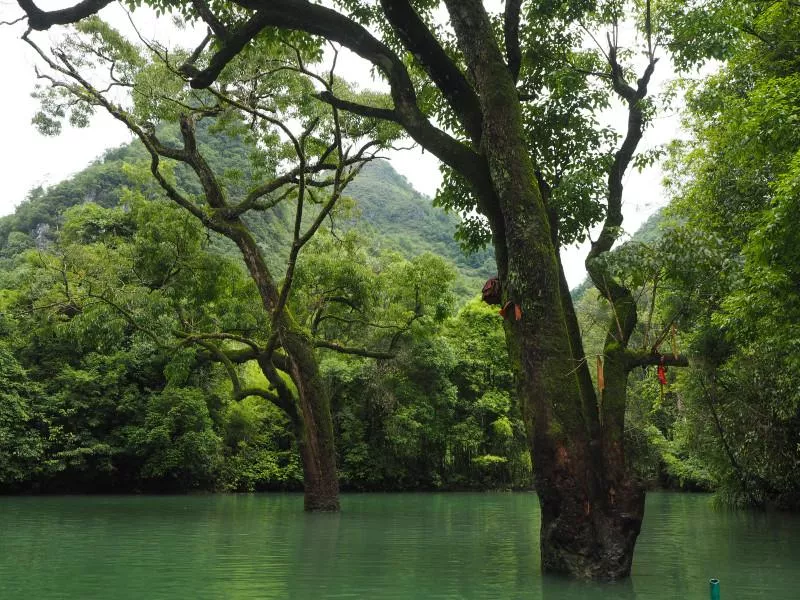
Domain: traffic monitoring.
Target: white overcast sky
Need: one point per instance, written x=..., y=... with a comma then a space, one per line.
x=28, y=159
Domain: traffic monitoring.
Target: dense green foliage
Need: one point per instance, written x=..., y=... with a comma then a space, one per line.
x=737, y=188
x=720, y=266
x=656, y=435
x=99, y=394
x=383, y=202
x=405, y=222
x=439, y=416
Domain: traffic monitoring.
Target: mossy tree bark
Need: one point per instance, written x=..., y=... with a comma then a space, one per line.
x=310, y=404
x=317, y=446
x=591, y=511
x=313, y=422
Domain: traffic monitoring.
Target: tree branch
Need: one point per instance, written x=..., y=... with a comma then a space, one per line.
x=511, y=34
x=315, y=19
x=643, y=359
x=41, y=20
x=187, y=68
x=221, y=357
x=194, y=337
x=281, y=396
x=340, y=181
x=214, y=24
x=418, y=40
x=711, y=399
x=15, y=21
x=622, y=158
x=148, y=138
x=214, y=192
x=387, y=114
x=286, y=400
x=260, y=392
x=355, y=351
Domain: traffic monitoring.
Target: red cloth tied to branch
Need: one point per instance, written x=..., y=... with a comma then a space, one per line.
x=662, y=373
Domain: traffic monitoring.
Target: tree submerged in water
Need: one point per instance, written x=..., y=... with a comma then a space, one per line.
x=515, y=95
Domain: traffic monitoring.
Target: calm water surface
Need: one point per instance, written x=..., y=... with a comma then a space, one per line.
x=441, y=546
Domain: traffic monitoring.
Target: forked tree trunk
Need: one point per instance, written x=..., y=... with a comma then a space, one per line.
x=590, y=511
x=314, y=427
x=591, y=508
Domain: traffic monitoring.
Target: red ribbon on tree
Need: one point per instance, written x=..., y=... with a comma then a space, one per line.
x=662, y=373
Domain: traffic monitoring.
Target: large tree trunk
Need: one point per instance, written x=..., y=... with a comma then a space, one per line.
x=591, y=509
x=315, y=425
x=317, y=448
x=591, y=513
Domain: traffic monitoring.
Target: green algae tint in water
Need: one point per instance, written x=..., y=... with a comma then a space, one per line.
x=447, y=546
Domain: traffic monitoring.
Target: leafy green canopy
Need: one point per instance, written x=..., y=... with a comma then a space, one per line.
x=112, y=399
x=736, y=188
x=563, y=83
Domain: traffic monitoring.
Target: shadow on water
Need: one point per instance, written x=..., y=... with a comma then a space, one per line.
x=556, y=587
x=393, y=546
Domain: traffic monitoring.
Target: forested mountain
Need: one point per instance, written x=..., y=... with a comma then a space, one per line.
x=403, y=220
x=386, y=208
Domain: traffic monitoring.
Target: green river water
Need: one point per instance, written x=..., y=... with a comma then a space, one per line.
x=444, y=546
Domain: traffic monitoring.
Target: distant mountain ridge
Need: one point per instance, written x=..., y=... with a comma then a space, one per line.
x=397, y=217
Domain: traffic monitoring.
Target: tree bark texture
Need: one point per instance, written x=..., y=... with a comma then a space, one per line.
x=315, y=429
x=317, y=448
x=591, y=511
